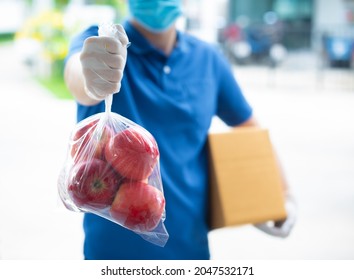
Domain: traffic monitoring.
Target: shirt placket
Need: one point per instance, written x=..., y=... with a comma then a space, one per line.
x=165, y=74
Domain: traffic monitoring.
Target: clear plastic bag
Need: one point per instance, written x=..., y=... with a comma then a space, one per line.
x=112, y=170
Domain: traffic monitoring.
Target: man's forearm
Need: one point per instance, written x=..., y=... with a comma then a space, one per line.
x=74, y=80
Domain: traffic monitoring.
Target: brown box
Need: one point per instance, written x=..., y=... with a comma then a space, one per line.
x=245, y=179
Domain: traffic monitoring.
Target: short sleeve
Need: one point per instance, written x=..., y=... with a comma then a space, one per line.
x=232, y=107
x=77, y=42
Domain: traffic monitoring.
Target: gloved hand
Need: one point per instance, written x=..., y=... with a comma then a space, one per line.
x=103, y=60
x=282, y=228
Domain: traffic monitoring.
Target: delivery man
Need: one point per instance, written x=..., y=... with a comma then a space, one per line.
x=172, y=84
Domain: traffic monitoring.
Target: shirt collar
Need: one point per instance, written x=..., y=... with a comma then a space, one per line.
x=182, y=42
x=138, y=43
x=142, y=46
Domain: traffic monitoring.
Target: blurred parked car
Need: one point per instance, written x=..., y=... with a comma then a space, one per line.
x=257, y=42
x=339, y=49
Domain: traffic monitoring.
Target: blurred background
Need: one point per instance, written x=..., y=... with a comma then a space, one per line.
x=294, y=60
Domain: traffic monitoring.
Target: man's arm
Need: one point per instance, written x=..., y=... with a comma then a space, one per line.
x=74, y=80
x=96, y=72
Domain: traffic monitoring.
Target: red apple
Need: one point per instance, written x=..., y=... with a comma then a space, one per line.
x=133, y=153
x=88, y=142
x=138, y=206
x=93, y=183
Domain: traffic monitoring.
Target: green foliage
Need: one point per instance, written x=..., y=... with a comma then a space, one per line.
x=61, y=3
x=114, y=3
x=55, y=85
x=119, y=5
x=48, y=29
x=6, y=37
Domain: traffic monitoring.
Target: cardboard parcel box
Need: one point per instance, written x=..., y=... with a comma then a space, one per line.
x=245, y=179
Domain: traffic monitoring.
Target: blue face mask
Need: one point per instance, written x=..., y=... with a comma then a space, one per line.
x=155, y=15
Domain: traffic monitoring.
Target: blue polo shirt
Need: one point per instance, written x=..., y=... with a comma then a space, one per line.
x=175, y=98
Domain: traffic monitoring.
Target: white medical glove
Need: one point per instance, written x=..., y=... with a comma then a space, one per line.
x=103, y=60
x=281, y=228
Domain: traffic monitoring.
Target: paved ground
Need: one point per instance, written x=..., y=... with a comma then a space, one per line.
x=310, y=116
